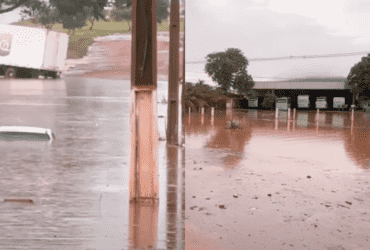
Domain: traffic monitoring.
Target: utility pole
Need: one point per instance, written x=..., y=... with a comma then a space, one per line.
x=143, y=102
x=144, y=188
x=183, y=111
x=173, y=127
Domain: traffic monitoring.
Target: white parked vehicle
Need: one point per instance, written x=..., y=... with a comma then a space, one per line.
x=30, y=52
x=321, y=102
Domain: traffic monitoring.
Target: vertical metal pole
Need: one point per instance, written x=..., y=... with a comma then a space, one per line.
x=202, y=110
x=288, y=113
x=294, y=113
x=173, y=75
x=277, y=113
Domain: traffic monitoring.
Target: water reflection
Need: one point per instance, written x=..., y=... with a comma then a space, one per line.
x=357, y=145
x=338, y=121
x=302, y=119
x=331, y=132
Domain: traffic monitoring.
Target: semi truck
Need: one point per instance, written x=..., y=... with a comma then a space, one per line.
x=27, y=52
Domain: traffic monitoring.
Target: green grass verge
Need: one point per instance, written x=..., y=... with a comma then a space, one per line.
x=84, y=37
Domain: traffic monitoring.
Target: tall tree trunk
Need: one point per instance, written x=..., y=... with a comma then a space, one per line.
x=92, y=23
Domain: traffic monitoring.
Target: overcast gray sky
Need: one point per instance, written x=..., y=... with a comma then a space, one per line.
x=273, y=28
x=10, y=17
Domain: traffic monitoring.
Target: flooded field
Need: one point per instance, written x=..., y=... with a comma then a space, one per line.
x=298, y=183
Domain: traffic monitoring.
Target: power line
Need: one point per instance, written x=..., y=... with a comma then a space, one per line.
x=203, y=74
x=294, y=57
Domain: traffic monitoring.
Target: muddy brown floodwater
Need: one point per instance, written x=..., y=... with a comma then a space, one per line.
x=298, y=184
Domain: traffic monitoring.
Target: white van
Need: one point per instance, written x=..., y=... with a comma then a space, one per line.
x=321, y=102
x=303, y=101
x=283, y=103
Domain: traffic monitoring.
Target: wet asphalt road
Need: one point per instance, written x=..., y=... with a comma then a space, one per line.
x=79, y=182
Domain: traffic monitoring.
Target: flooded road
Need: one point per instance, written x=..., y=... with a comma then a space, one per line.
x=302, y=183
x=79, y=182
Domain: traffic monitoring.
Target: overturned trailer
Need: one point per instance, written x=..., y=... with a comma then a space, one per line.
x=32, y=52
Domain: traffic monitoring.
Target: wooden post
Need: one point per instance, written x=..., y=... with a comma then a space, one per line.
x=202, y=111
x=173, y=75
x=143, y=103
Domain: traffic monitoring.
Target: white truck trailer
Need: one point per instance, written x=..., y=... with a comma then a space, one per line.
x=30, y=52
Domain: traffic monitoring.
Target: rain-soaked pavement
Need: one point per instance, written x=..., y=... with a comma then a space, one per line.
x=278, y=184
x=79, y=182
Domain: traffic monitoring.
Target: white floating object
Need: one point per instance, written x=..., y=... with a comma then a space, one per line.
x=27, y=130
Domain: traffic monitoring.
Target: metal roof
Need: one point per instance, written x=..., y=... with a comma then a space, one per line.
x=302, y=84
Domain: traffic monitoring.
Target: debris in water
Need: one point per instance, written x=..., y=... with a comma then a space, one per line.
x=269, y=195
x=235, y=196
x=192, y=208
x=19, y=200
x=349, y=203
x=222, y=206
x=308, y=177
x=342, y=206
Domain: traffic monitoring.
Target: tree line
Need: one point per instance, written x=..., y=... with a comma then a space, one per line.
x=229, y=70
x=74, y=14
